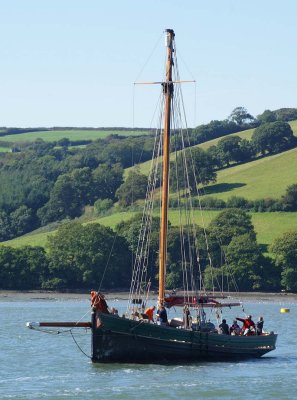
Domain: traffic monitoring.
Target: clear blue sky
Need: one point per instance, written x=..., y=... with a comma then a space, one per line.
x=73, y=62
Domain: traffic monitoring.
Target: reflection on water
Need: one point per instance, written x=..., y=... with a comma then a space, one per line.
x=36, y=365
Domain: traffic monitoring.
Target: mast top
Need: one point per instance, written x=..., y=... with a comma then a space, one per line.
x=169, y=36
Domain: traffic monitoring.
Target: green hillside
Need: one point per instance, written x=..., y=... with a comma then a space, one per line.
x=266, y=177
x=267, y=225
x=51, y=136
x=262, y=178
x=145, y=167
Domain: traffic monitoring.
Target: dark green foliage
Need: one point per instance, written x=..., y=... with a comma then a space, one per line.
x=17, y=223
x=237, y=202
x=282, y=114
x=80, y=254
x=199, y=167
x=286, y=114
x=244, y=260
x=127, y=151
x=241, y=116
x=64, y=202
x=273, y=137
x=266, y=117
x=209, y=203
x=290, y=198
x=23, y=268
x=64, y=142
x=231, y=223
x=132, y=189
x=22, y=220
x=284, y=249
x=213, y=130
x=5, y=226
x=106, y=180
x=234, y=149
x=102, y=206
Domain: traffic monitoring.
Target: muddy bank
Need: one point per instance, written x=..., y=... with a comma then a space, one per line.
x=34, y=295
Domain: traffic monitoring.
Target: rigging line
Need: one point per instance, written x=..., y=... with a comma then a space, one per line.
x=114, y=240
x=185, y=64
x=195, y=83
x=196, y=185
x=186, y=216
x=75, y=341
x=139, y=251
x=183, y=245
x=188, y=200
x=159, y=101
x=133, y=106
x=149, y=57
x=223, y=251
x=181, y=226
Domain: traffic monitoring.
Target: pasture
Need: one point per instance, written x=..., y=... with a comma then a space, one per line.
x=144, y=167
x=268, y=226
x=52, y=136
x=262, y=178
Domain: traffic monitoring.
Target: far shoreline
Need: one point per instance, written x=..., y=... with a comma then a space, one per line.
x=80, y=295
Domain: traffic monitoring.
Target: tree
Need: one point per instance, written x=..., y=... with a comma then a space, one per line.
x=5, y=226
x=200, y=169
x=22, y=221
x=231, y=223
x=82, y=256
x=266, y=116
x=284, y=250
x=64, y=202
x=132, y=189
x=107, y=179
x=102, y=206
x=241, y=116
x=22, y=269
x=286, y=114
x=233, y=148
x=244, y=260
x=290, y=198
x=64, y=142
x=83, y=185
x=273, y=137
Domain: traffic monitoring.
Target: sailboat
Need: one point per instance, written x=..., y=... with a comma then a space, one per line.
x=134, y=337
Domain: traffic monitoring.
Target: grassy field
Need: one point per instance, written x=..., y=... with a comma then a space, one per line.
x=145, y=167
x=266, y=177
x=268, y=226
x=5, y=150
x=51, y=136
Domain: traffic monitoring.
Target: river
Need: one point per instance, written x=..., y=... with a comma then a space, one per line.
x=37, y=365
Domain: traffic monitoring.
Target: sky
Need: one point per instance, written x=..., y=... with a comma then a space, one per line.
x=74, y=62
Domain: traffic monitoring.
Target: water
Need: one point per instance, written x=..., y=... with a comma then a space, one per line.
x=36, y=365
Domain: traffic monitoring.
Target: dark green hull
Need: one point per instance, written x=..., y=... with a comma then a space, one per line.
x=116, y=339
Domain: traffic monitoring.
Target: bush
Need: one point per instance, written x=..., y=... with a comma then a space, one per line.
x=237, y=202
x=101, y=206
x=210, y=203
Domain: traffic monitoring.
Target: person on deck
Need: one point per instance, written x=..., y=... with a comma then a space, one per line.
x=162, y=316
x=248, y=327
x=224, y=328
x=234, y=328
x=259, y=326
x=186, y=318
x=149, y=312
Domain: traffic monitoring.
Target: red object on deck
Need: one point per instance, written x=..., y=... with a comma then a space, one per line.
x=196, y=301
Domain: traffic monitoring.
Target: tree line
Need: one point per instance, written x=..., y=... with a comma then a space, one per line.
x=90, y=256
x=43, y=183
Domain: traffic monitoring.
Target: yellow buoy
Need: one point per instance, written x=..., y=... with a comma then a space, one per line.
x=284, y=310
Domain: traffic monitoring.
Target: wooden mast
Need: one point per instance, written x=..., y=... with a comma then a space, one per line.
x=168, y=93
